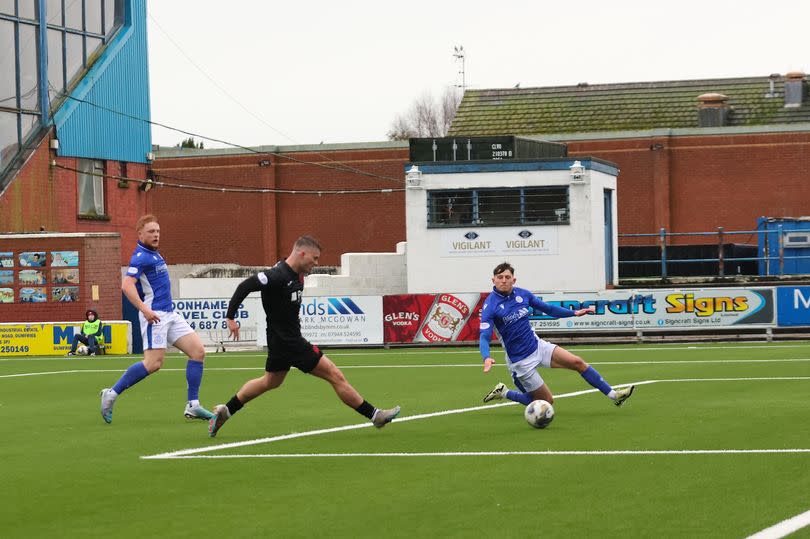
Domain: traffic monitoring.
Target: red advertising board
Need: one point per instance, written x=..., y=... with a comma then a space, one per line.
x=432, y=317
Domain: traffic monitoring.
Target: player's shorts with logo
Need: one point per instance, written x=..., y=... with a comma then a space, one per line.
x=281, y=355
x=165, y=333
x=524, y=372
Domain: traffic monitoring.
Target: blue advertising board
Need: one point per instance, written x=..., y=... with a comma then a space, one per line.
x=793, y=306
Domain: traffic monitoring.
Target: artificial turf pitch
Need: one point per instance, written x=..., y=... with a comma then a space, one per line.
x=714, y=443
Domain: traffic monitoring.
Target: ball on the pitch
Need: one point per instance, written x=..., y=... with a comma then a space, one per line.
x=81, y=350
x=539, y=414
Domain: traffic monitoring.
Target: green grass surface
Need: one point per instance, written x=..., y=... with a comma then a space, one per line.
x=65, y=473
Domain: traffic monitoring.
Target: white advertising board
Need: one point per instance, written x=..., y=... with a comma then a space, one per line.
x=499, y=241
x=664, y=309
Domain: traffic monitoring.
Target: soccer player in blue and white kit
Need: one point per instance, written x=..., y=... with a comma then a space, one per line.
x=147, y=286
x=507, y=308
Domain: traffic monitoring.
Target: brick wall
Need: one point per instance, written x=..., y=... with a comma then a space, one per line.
x=697, y=183
x=683, y=183
x=259, y=228
x=45, y=196
x=98, y=266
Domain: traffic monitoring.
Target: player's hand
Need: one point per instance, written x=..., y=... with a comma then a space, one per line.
x=151, y=316
x=488, y=363
x=583, y=312
x=233, y=329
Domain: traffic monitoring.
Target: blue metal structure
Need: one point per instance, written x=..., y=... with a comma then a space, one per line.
x=103, y=117
x=785, y=245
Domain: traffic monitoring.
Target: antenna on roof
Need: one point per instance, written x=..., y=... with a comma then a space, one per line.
x=458, y=54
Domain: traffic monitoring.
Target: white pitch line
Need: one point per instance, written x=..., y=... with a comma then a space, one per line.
x=44, y=373
x=473, y=351
x=562, y=453
x=208, y=449
x=421, y=366
x=290, y=436
x=784, y=528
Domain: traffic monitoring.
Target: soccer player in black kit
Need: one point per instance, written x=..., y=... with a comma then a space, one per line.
x=282, y=287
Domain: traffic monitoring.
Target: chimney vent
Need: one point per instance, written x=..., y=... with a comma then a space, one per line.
x=795, y=89
x=772, y=78
x=712, y=110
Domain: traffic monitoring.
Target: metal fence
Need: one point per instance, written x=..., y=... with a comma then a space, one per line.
x=768, y=264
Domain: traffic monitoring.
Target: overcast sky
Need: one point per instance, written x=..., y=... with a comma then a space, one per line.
x=264, y=73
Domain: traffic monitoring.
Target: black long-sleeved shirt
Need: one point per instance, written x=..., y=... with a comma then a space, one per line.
x=281, y=289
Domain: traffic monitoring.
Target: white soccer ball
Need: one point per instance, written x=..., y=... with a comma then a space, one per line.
x=81, y=350
x=539, y=414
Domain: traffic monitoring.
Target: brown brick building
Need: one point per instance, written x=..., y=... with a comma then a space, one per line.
x=349, y=196
x=693, y=155
x=686, y=164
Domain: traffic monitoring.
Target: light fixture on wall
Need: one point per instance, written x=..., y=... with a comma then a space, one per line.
x=413, y=177
x=148, y=183
x=577, y=172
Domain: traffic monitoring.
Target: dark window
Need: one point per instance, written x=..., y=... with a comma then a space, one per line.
x=546, y=205
x=498, y=207
x=450, y=208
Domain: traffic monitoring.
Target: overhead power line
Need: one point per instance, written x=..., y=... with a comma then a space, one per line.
x=260, y=190
x=246, y=148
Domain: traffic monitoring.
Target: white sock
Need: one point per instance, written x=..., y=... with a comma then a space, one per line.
x=612, y=395
x=194, y=403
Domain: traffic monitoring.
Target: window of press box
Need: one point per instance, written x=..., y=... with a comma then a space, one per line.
x=90, y=183
x=498, y=207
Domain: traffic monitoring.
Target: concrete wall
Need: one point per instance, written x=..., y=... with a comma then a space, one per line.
x=362, y=274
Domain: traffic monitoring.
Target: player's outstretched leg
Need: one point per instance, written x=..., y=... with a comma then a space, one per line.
x=108, y=397
x=219, y=417
x=497, y=393
x=623, y=394
x=381, y=418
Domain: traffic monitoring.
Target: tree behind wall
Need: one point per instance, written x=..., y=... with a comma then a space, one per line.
x=191, y=143
x=427, y=117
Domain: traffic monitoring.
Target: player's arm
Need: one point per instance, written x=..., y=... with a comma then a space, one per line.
x=556, y=311
x=484, y=338
x=251, y=284
x=129, y=290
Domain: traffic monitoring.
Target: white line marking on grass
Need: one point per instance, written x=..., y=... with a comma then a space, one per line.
x=45, y=373
x=208, y=449
x=502, y=454
x=420, y=366
x=784, y=528
x=471, y=350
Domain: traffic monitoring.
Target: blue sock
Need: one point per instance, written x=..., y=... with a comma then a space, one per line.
x=194, y=372
x=517, y=396
x=134, y=374
x=593, y=377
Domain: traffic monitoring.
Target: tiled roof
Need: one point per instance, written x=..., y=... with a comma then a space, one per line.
x=619, y=107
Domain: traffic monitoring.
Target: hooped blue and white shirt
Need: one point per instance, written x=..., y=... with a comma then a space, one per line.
x=152, y=274
x=509, y=314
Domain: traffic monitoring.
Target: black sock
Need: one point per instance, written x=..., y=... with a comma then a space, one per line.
x=234, y=405
x=366, y=409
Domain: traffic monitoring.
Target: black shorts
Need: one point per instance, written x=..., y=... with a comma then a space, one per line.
x=305, y=358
